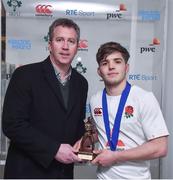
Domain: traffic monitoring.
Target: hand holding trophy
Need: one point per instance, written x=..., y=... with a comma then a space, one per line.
x=87, y=144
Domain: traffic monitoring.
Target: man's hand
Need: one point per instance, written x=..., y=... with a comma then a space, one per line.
x=66, y=154
x=77, y=145
x=104, y=157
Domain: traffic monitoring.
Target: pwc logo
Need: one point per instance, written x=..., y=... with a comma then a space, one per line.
x=43, y=10
x=122, y=7
x=98, y=112
x=83, y=45
x=118, y=13
x=152, y=47
x=156, y=41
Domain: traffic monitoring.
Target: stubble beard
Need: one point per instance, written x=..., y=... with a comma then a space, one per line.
x=115, y=82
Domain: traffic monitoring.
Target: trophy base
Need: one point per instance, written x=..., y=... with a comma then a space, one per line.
x=86, y=156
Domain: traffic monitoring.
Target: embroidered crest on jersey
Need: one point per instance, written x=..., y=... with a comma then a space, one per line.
x=120, y=145
x=98, y=112
x=128, y=112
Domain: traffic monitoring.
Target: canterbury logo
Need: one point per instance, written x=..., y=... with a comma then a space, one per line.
x=98, y=111
x=83, y=44
x=44, y=9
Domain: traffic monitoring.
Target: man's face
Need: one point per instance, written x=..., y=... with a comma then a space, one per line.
x=113, y=69
x=63, y=46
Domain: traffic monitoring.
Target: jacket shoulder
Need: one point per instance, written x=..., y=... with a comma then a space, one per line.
x=80, y=77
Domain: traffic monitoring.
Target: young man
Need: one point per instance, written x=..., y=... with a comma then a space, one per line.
x=44, y=110
x=131, y=128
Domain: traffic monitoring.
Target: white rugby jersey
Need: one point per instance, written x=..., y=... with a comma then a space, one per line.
x=142, y=120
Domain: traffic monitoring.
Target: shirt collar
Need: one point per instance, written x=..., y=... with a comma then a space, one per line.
x=58, y=75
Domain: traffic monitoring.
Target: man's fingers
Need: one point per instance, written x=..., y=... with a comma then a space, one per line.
x=74, y=150
x=97, y=151
x=95, y=161
x=77, y=144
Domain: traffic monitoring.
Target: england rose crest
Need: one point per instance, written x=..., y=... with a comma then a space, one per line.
x=129, y=111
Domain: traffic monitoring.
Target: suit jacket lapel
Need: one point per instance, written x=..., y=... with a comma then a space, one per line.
x=72, y=91
x=50, y=76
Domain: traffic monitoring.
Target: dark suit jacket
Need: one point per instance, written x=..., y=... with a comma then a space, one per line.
x=37, y=122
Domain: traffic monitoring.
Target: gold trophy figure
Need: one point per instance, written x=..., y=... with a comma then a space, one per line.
x=87, y=143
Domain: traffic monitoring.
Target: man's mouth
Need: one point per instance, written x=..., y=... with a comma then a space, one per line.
x=112, y=74
x=64, y=54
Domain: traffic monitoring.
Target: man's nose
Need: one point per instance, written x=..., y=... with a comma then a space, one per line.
x=111, y=65
x=65, y=45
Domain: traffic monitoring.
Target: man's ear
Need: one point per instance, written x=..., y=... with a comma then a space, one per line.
x=49, y=46
x=98, y=71
x=127, y=68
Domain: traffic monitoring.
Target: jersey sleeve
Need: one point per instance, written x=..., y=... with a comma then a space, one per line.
x=152, y=120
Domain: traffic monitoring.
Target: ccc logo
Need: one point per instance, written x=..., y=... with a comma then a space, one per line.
x=83, y=44
x=98, y=111
x=45, y=9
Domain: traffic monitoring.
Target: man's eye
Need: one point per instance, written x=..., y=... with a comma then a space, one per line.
x=72, y=41
x=118, y=62
x=59, y=39
x=103, y=63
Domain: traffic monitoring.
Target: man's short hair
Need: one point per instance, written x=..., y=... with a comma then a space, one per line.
x=109, y=48
x=65, y=23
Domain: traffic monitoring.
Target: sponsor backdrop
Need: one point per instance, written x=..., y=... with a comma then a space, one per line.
x=139, y=26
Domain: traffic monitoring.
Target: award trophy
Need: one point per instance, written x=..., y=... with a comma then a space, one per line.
x=87, y=144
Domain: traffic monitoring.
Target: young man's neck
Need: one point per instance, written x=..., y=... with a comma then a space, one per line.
x=117, y=89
